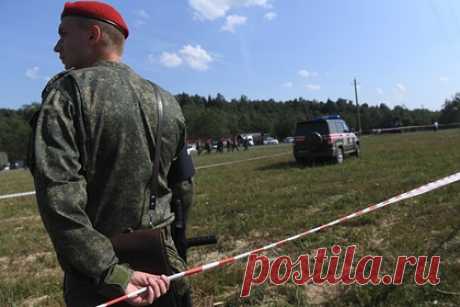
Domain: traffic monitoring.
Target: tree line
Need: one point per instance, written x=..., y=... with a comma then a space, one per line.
x=215, y=117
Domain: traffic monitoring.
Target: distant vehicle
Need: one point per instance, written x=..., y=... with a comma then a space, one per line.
x=270, y=141
x=17, y=164
x=253, y=138
x=324, y=137
x=250, y=140
x=191, y=148
x=289, y=140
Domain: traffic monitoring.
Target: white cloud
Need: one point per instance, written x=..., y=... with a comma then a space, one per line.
x=270, y=15
x=287, y=84
x=151, y=58
x=32, y=73
x=213, y=9
x=313, y=87
x=141, y=18
x=142, y=14
x=170, y=59
x=196, y=57
x=400, y=93
x=379, y=91
x=232, y=21
x=304, y=73
x=263, y=3
x=401, y=88
x=139, y=22
x=443, y=79
x=208, y=9
x=307, y=74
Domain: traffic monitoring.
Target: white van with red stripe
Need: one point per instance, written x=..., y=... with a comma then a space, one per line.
x=324, y=137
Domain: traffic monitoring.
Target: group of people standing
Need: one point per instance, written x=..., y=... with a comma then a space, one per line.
x=231, y=144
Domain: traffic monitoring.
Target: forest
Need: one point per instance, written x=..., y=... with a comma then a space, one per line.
x=214, y=117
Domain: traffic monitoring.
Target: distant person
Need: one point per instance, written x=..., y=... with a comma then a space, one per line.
x=198, y=147
x=220, y=145
x=229, y=145
x=436, y=126
x=235, y=144
x=246, y=143
x=208, y=146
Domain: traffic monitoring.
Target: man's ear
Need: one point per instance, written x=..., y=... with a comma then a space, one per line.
x=95, y=34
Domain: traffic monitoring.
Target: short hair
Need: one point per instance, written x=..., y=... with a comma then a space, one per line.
x=112, y=38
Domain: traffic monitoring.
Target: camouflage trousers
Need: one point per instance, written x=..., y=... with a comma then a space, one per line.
x=80, y=292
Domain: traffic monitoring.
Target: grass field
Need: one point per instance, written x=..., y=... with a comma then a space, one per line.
x=253, y=203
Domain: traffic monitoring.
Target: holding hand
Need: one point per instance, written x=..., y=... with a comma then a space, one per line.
x=156, y=286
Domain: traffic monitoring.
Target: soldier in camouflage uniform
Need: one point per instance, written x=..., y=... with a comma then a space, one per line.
x=92, y=158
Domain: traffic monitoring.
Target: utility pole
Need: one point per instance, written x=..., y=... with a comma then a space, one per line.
x=357, y=108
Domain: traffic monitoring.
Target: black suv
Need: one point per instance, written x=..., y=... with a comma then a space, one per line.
x=324, y=137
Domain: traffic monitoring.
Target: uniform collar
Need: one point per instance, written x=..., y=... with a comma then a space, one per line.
x=107, y=63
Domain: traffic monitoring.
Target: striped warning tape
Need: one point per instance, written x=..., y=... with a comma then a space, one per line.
x=198, y=168
x=229, y=260
x=17, y=195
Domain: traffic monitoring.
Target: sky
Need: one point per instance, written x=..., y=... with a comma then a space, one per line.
x=401, y=52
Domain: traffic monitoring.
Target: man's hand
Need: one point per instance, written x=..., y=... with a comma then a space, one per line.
x=156, y=286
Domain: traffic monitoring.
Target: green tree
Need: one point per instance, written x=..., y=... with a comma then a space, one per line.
x=451, y=111
x=3, y=159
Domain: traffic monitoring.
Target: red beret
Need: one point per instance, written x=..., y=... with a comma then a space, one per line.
x=97, y=10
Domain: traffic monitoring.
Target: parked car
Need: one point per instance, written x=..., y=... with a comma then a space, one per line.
x=289, y=140
x=191, y=148
x=250, y=140
x=17, y=164
x=270, y=141
x=324, y=137
x=254, y=138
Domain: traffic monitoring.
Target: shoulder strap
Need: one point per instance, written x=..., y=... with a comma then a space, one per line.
x=156, y=159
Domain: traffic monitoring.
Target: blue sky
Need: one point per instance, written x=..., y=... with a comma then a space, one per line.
x=402, y=52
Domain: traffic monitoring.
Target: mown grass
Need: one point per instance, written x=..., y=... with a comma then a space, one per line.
x=15, y=181
x=249, y=204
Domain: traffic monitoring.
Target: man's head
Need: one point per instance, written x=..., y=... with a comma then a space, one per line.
x=90, y=31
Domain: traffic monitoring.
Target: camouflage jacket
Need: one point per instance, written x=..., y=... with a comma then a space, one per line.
x=92, y=164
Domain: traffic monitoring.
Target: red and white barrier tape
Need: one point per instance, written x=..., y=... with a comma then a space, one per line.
x=17, y=195
x=229, y=260
x=197, y=168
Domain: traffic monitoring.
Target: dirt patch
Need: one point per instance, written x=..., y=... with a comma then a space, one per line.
x=48, y=272
x=36, y=301
x=12, y=268
x=34, y=218
x=200, y=298
x=320, y=294
x=32, y=257
x=230, y=248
